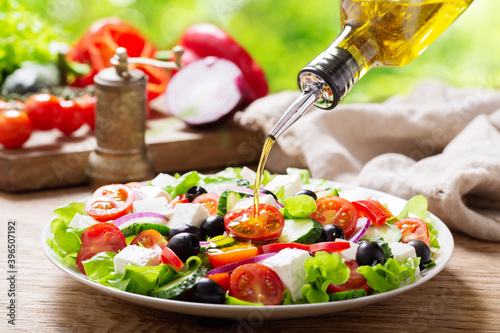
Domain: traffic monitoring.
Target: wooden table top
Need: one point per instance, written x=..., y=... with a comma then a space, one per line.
x=464, y=296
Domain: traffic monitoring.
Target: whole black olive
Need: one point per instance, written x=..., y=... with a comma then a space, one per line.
x=194, y=192
x=185, y=227
x=213, y=226
x=307, y=192
x=184, y=245
x=369, y=253
x=423, y=251
x=330, y=233
x=208, y=291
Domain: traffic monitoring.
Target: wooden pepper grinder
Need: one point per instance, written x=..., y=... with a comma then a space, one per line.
x=121, y=154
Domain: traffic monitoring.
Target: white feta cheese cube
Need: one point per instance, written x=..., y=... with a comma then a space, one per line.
x=162, y=180
x=151, y=192
x=136, y=255
x=156, y=205
x=289, y=265
x=82, y=221
x=247, y=202
x=350, y=253
x=248, y=174
x=402, y=251
x=188, y=213
x=291, y=184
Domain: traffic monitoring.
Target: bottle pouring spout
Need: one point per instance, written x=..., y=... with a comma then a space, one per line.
x=297, y=109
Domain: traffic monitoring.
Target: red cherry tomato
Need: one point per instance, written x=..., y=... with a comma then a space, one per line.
x=222, y=279
x=207, y=39
x=413, y=228
x=168, y=257
x=72, y=117
x=266, y=225
x=256, y=283
x=208, y=200
x=109, y=202
x=149, y=238
x=231, y=254
x=15, y=128
x=98, y=46
x=44, y=111
x=338, y=211
x=371, y=211
x=356, y=281
x=87, y=103
x=101, y=237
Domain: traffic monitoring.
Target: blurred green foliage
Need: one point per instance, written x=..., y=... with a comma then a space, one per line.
x=283, y=35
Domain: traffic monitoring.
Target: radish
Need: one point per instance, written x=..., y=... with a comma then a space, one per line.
x=205, y=91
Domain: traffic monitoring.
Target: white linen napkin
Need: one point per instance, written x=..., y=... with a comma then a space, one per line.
x=440, y=141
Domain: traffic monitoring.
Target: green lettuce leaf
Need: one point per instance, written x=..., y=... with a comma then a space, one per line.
x=418, y=207
x=100, y=266
x=303, y=173
x=183, y=183
x=392, y=275
x=321, y=270
x=65, y=241
x=300, y=206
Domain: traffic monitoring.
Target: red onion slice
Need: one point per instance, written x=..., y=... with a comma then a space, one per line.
x=359, y=231
x=233, y=266
x=139, y=218
x=205, y=91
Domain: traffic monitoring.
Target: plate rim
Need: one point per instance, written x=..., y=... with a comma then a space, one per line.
x=275, y=312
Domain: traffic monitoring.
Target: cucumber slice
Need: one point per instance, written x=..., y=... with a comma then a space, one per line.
x=178, y=286
x=136, y=228
x=222, y=241
x=343, y=295
x=226, y=201
x=388, y=232
x=304, y=231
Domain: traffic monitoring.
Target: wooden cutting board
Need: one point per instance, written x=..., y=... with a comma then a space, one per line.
x=50, y=159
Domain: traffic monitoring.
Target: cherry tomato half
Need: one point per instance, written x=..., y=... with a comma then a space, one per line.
x=109, y=202
x=231, y=254
x=338, y=211
x=413, y=228
x=149, y=238
x=356, y=281
x=371, y=211
x=266, y=225
x=208, y=200
x=44, y=111
x=256, y=283
x=72, y=117
x=15, y=128
x=168, y=257
x=100, y=237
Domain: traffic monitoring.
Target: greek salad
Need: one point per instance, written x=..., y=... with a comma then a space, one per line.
x=199, y=238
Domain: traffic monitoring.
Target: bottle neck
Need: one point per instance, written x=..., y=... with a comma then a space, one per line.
x=336, y=69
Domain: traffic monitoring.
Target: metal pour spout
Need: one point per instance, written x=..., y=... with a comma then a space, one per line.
x=297, y=109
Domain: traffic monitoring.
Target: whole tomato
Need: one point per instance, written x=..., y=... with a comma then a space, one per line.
x=87, y=104
x=72, y=117
x=15, y=128
x=44, y=111
x=98, y=46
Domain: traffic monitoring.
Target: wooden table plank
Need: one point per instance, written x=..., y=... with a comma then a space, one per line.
x=465, y=296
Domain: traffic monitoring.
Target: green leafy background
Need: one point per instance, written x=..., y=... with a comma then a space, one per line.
x=283, y=35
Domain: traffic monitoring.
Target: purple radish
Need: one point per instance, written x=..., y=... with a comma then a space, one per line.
x=205, y=91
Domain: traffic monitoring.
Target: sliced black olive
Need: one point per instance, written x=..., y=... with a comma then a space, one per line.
x=369, y=253
x=184, y=245
x=307, y=192
x=194, y=192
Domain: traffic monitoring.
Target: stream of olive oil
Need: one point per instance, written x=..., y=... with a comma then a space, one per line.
x=260, y=170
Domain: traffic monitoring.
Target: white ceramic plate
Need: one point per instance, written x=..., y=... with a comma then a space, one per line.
x=277, y=312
